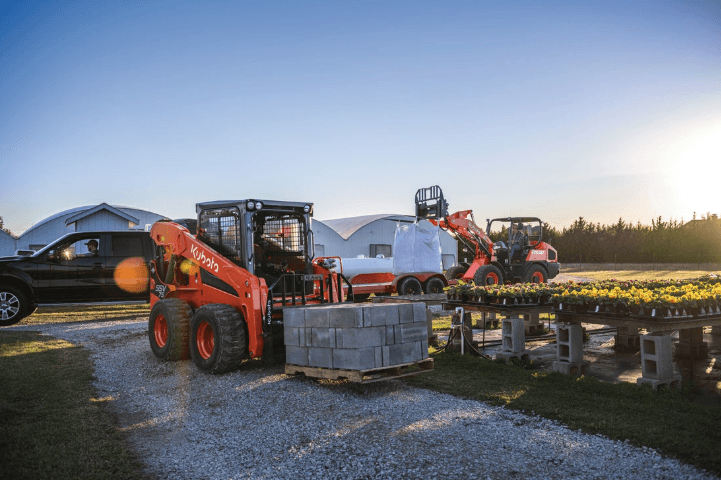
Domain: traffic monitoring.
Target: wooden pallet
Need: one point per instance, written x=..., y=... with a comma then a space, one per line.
x=363, y=376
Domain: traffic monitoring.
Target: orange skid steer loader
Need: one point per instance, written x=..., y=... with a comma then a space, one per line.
x=218, y=296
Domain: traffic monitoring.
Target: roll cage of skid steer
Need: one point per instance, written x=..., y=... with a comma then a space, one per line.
x=526, y=257
x=218, y=296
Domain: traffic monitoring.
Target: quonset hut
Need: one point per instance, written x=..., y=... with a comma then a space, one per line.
x=102, y=217
x=370, y=236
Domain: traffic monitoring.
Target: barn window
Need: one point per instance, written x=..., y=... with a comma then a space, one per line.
x=378, y=249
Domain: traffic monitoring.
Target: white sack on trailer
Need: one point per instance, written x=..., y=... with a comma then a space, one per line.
x=417, y=249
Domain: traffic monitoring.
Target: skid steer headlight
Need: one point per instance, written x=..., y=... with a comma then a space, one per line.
x=258, y=205
x=250, y=205
x=306, y=209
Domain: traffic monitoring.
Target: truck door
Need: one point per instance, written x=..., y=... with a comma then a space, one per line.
x=126, y=270
x=77, y=271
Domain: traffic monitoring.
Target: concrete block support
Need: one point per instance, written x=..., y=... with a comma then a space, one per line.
x=657, y=361
x=533, y=324
x=627, y=339
x=513, y=336
x=690, y=344
x=569, y=350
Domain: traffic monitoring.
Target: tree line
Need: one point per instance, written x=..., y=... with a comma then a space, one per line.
x=698, y=241
x=661, y=242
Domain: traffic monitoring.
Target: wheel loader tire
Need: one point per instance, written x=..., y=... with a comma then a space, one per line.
x=456, y=272
x=218, y=338
x=488, y=275
x=169, y=329
x=410, y=286
x=433, y=285
x=13, y=306
x=536, y=274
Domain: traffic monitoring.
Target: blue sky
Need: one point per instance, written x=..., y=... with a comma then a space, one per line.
x=553, y=109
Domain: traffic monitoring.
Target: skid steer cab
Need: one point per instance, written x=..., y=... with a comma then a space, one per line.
x=218, y=296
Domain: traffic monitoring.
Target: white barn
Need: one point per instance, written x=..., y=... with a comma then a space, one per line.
x=102, y=217
x=370, y=236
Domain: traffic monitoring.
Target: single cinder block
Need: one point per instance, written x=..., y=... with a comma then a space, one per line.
x=410, y=332
x=401, y=353
x=657, y=357
x=424, y=349
x=322, y=337
x=386, y=356
x=296, y=355
x=294, y=317
x=420, y=311
x=569, y=343
x=379, y=356
x=291, y=336
x=513, y=335
x=347, y=316
x=354, y=358
x=320, y=357
x=390, y=334
x=380, y=314
x=360, y=337
x=406, y=313
x=429, y=322
x=316, y=317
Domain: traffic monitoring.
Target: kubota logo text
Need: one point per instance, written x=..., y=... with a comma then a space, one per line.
x=200, y=256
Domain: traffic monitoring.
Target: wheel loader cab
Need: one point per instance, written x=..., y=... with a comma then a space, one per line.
x=268, y=238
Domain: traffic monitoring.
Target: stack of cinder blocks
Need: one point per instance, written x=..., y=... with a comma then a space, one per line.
x=657, y=361
x=569, y=350
x=356, y=337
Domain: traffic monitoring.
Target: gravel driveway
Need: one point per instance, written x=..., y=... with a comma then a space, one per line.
x=258, y=423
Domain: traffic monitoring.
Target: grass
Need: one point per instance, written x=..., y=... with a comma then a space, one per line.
x=52, y=425
x=685, y=425
x=607, y=271
x=84, y=313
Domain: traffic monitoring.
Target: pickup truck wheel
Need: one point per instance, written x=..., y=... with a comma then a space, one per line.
x=434, y=285
x=456, y=272
x=410, y=286
x=168, y=329
x=218, y=339
x=13, y=306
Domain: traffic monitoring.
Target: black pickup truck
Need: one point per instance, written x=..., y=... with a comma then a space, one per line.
x=81, y=267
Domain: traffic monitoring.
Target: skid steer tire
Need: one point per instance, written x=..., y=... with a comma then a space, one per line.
x=218, y=338
x=488, y=275
x=433, y=285
x=410, y=286
x=169, y=329
x=535, y=274
x=456, y=272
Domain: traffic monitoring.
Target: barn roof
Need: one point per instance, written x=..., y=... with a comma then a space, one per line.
x=97, y=208
x=79, y=210
x=348, y=226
